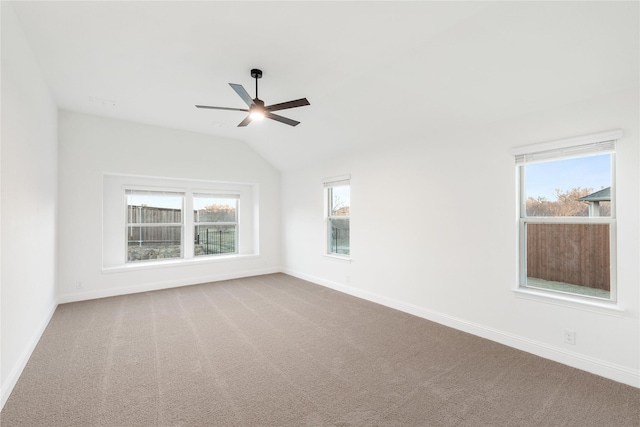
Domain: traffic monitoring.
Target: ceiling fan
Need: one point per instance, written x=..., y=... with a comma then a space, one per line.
x=257, y=109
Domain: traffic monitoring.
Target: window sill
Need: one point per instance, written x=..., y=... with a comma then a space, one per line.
x=152, y=265
x=601, y=307
x=344, y=258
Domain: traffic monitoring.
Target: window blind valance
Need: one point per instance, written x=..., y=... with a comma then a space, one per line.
x=337, y=181
x=135, y=192
x=568, y=152
x=218, y=195
x=569, y=148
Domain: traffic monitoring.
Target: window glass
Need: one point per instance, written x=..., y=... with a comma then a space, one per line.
x=570, y=258
x=569, y=187
x=215, y=209
x=340, y=198
x=338, y=219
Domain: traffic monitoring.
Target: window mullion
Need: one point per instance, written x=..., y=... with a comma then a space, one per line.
x=568, y=220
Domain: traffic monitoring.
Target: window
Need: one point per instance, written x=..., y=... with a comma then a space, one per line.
x=216, y=224
x=338, y=193
x=149, y=221
x=154, y=225
x=567, y=217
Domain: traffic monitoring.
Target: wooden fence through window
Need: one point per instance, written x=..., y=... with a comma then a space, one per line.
x=153, y=215
x=571, y=253
x=141, y=234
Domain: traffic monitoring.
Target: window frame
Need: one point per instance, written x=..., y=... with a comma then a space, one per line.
x=128, y=225
x=329, y=184
x=236, y=223
x=114, y=220
x=590, y=145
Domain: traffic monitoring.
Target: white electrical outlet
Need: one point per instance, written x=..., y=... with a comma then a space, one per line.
x=78, y=285
x=570, y=337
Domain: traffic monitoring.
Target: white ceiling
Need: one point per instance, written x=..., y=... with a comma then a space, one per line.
x=375, y=73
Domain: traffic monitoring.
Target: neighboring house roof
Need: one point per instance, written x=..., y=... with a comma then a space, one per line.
x=343, y=211
x=603, y=195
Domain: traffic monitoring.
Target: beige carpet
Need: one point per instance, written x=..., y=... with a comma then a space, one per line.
x=278, y=351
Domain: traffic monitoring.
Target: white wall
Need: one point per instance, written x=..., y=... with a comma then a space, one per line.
x=91, y=147
x=29, y=192
x=434, y=232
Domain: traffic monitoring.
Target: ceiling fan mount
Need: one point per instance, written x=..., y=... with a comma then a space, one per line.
x=257, y=110
x=256, y=74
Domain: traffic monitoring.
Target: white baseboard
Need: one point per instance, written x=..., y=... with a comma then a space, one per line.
x=595, y=366
x=104, y=293
x=16, y=371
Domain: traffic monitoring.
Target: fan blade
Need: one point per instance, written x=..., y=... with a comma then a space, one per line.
x=243, y=93
x=221, y=108
x=245, y=122
x=290, y=104
x=280, y=119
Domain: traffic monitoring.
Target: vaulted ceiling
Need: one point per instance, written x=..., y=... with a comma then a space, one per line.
x=376, y=73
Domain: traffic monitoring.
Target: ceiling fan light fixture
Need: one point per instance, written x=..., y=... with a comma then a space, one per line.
x=256, y=115
x=256, y=111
